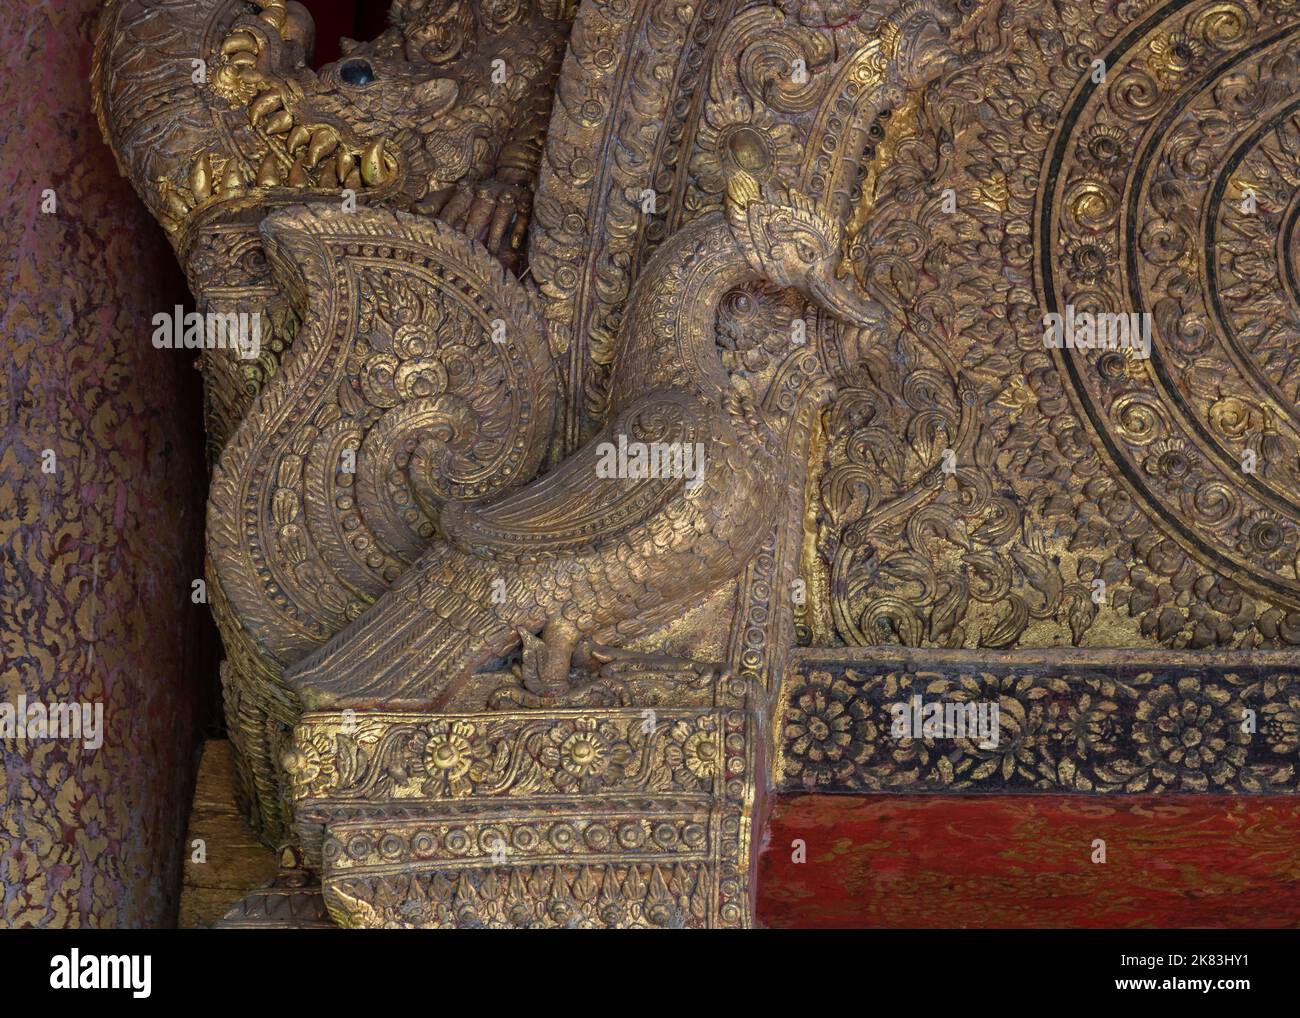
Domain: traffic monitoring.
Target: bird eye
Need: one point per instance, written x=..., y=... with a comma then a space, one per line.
x=357, y=72
x=966, y=6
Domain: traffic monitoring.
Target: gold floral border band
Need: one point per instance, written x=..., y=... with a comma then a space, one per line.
x=893, y=719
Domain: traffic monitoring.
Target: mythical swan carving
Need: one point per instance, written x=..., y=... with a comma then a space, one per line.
x=585, y=557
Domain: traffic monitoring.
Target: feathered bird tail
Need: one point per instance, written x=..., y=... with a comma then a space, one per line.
x=439, y=623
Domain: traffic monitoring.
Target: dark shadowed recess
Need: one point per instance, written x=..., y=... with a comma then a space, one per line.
x=362, y=19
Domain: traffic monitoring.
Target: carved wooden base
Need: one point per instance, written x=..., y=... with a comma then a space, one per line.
x=624, y=816
x=618, y=816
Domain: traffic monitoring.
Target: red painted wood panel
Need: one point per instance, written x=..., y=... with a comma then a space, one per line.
x=1027, y=862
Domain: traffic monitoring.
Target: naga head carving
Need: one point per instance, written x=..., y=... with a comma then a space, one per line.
x=214, y=102
x=790, y=240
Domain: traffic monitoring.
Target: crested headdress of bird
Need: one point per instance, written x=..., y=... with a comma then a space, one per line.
x=791, y=240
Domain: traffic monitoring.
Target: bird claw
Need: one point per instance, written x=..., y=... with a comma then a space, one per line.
x=546, y=660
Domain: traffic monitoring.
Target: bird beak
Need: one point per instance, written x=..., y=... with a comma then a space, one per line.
x=844, y=302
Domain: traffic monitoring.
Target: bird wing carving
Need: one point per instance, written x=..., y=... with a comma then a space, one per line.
x=566, y=509
x=591, y=554
x=420, y=376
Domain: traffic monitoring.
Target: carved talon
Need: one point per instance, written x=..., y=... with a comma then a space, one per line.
x=597, y=657
x=493, y=211
x=548, y=658
x=591, y=656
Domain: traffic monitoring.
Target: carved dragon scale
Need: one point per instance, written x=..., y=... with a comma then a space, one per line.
x=471, y=679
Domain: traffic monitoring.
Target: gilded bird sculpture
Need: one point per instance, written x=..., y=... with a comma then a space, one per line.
x=577, y=555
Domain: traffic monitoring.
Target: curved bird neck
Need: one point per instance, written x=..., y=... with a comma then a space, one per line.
x=668, y=335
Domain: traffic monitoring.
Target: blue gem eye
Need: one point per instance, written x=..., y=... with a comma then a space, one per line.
x=357, y=72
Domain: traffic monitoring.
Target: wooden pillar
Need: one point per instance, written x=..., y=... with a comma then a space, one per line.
x=101, y=506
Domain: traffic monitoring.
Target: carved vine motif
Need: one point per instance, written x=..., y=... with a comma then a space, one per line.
x=600, y=896
x=500, y=755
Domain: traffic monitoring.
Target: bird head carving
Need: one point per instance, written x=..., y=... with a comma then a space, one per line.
x=790, y=240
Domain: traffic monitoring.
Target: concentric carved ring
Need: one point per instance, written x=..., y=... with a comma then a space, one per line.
x=1178, y=212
